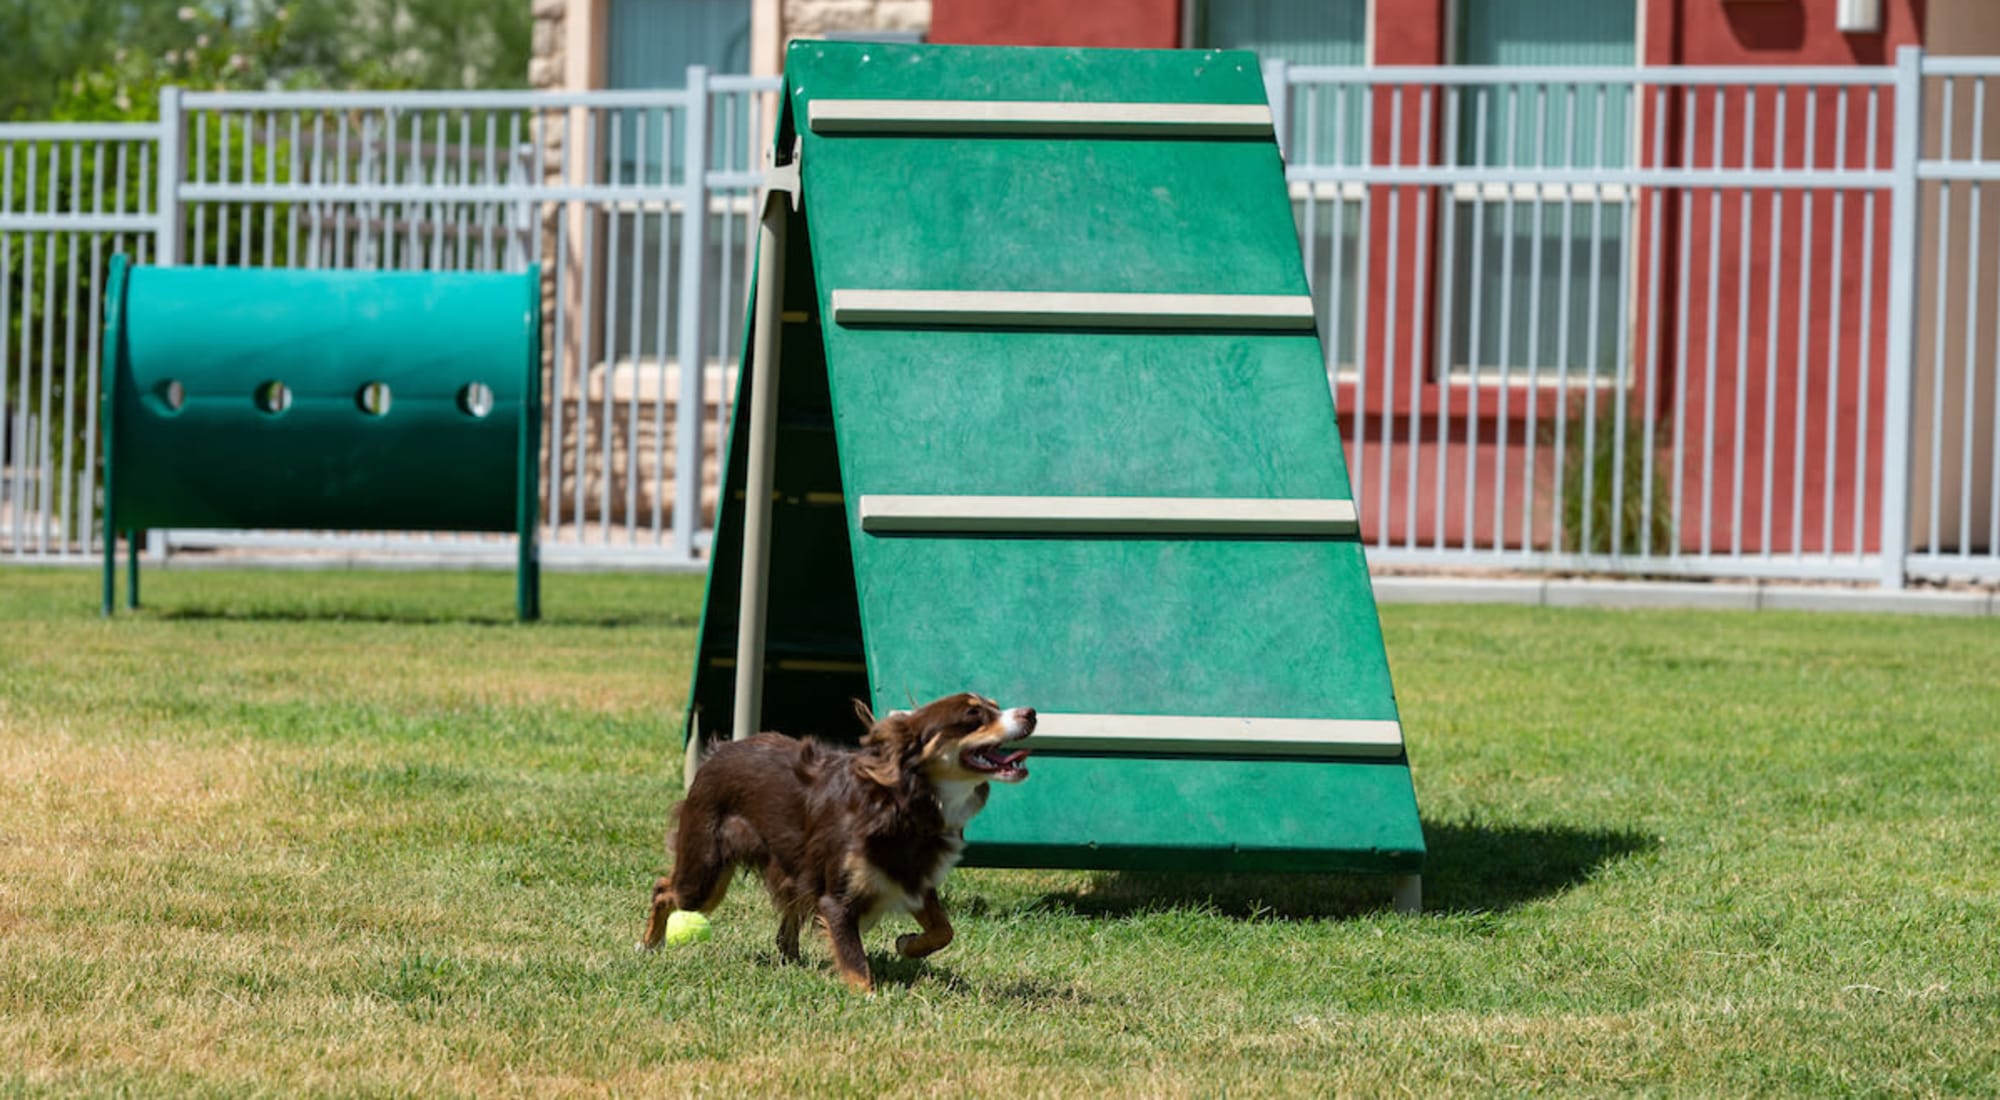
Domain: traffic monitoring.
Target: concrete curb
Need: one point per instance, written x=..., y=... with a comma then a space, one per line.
x=1520, y=592
x=1761, y=596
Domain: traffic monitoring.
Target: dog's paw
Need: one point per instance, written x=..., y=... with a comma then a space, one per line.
x=644, y=948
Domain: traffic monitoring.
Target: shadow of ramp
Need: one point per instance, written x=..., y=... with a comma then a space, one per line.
x=1471, y=867
x=1474, y=867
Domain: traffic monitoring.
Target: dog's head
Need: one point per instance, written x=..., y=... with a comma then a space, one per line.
x=962, y=737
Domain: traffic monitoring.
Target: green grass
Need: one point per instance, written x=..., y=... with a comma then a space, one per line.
x=356, y=833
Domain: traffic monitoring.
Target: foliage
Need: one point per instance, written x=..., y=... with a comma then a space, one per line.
x=1596, y=470
x=102, y=60
x=359, y=834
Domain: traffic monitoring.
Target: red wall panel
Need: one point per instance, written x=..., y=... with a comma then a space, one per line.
x=1123, y=23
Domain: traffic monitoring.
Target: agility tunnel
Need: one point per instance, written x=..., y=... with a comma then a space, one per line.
x=239, y=398
x=1034, y=406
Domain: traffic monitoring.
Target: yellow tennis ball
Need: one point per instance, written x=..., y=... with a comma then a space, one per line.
x=684, y=926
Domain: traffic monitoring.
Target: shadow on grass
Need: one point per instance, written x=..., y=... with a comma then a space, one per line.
x=1470, y=868
x=892, y=969
x=413, y=616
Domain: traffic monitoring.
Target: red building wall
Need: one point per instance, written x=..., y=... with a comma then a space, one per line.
x=1134, y=24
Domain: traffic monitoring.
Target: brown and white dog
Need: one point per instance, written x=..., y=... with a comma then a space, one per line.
x=848, y=836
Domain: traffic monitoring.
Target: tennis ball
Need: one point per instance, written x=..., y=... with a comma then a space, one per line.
x=687, y=927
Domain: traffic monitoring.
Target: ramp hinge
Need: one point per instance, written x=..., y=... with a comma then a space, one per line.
x=781, y=179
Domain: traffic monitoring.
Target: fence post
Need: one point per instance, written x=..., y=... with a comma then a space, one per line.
x=167, y=234
x=1899, y=379
x=167, y=201
x=688, y=350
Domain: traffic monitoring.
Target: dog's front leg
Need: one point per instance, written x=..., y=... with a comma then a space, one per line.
x=936, y=934
x=843, y=931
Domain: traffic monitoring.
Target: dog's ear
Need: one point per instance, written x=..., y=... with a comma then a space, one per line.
x=886, y=770
x=886, y=743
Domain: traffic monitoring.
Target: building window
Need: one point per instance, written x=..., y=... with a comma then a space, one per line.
x=1535, y=274
x=651, y=44
x=1322, y=125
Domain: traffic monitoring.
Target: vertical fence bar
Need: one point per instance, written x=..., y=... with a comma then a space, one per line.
x=1772, y=280
x=42, y=463
x=586, y=328
x=694, y=244
x=1972, y=310
x=1475, y=269
x=1336, y=286
x=1683, y=305
x=1505, y=356
x=66, y=500
x=1801, y=374
x=1943, y=262
x=1898, y=366
x=1386, y=417
x=1538, y=219
x=1561, y=414
x=561, y=287
x=1712, y=322
x=23, y=393
x=606, y=402
x=1830, y=472
x=1309, y=231
x=1416, y=435
x=1650, y=392
x=636, y=334
x=86, y=525
x=1448, y=249
x=1622, y=367
x=664, y=261
x=1864, y=416
x=1745, y=201
x=1594, y=303
x=1363, y=249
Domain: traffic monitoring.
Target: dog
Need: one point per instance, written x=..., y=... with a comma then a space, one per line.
x=847, y=836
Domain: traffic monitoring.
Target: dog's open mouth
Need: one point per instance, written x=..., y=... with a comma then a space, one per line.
x=991, y=760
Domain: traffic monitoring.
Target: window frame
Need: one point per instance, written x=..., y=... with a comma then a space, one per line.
x=1578, y=195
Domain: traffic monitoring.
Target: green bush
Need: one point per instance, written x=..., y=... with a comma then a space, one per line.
x=1595, y=470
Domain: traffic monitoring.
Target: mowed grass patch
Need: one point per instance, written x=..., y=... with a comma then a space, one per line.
x=360, y=833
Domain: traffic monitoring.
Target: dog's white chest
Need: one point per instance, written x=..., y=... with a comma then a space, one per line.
x=961, y=801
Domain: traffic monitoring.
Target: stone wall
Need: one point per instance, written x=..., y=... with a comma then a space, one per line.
x=805, y=18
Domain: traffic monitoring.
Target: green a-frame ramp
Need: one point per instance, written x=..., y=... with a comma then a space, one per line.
x=1035, y=398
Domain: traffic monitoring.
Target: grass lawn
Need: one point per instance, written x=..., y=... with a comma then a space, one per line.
x=358, y=833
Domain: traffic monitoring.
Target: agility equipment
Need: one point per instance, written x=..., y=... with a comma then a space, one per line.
x=1034, y=406
x=255, y=398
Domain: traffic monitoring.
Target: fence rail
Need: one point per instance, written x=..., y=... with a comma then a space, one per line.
x=1695, y=322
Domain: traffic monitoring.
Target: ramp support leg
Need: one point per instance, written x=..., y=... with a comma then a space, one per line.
x=131, y=569
x=1409, y=894
x=781, y=193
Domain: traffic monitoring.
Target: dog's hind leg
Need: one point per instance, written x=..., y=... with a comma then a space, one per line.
x=789, y=921
x=936, y=934
x=703, y=860
x=656, y=922
x=843, y=929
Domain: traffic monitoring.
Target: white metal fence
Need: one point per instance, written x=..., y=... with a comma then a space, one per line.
x=1661, y=321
